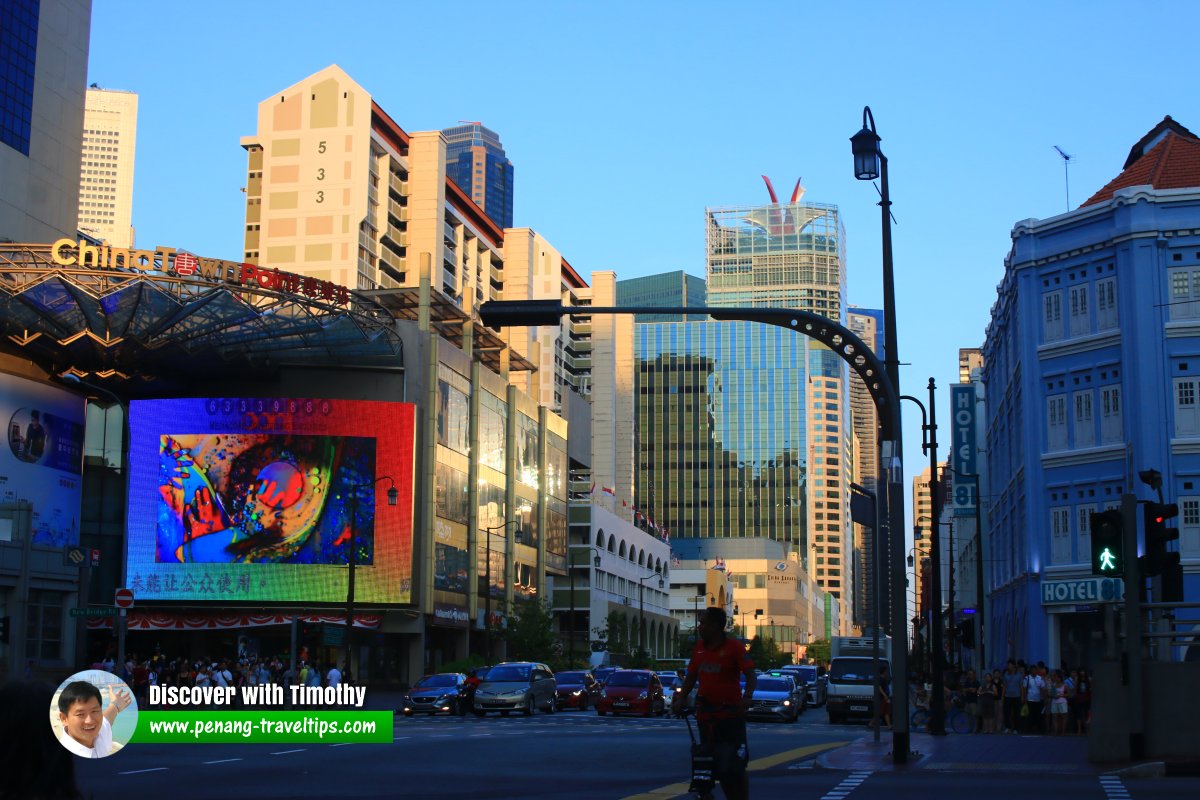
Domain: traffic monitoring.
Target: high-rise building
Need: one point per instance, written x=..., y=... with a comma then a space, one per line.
x=667, y=289
x=969, y=359
x=792, y=255
x=106, y=169
x=721, y=430
x=867, y=324
x=475, y=160
x=44, y=47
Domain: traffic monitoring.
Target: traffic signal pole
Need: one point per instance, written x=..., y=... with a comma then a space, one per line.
x=1132, y=672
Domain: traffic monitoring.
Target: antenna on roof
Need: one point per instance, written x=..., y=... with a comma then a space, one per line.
x=1066, y=157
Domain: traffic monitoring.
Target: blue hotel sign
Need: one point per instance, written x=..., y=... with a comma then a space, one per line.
x=1083, y=591
x=963, y=456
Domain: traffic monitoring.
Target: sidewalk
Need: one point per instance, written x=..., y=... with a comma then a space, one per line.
x=1063, y=755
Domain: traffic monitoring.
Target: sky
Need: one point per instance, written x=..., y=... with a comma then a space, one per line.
x=625, y=120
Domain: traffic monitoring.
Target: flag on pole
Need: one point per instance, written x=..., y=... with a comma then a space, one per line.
x=593, y=489
x=608, y=491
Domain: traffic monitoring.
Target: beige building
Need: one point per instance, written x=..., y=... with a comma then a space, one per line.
x=106, y=167
x=337, y=190
x=969, y=359
x=864, y=422
x=43, y=123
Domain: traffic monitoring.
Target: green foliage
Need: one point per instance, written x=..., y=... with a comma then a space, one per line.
x=819, y=651
x=618, y=632
x=530, y=635
x=467, y=664
x=766, y=654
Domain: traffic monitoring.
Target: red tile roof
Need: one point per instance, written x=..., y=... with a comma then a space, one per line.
x=1168, y=157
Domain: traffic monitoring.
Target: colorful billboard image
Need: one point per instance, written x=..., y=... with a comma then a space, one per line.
x=264, y=498
x=43, y=462
x=270, y=499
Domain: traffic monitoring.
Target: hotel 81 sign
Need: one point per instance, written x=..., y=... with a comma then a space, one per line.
x=963, y=451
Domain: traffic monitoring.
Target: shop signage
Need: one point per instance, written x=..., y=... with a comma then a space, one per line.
x=962, y=449
x=450, y=616
x=68, y=253
x=1082, y=591
x=99, y=611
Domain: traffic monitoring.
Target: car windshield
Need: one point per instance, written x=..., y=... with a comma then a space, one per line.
x=773, y=685
x=503, y=673
x=808, y=674
x=852, y=670
x=570, y=677
x=629, y=679
x=669, y=681
x=438, y=680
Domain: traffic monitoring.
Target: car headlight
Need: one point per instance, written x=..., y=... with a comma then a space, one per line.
x=787, y=702
x=604, y=693
x=643, y=695
x=577, y=692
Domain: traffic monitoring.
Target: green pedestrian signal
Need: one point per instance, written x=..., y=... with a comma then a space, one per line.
x=1107, y=550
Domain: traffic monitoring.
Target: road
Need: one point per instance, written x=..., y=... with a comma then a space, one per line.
x=556, y=756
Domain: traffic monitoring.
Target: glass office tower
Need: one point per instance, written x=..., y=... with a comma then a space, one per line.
x=721, y=429
x=476, y=161
x=666, y=289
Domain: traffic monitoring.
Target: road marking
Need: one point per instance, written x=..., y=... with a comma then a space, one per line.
x=398, y=738
x=140, y=771
x=341, y=744
x=766, y=762
x=477, y=735
x=285, y=752
x=848, y=785
x=1113, y=788
x=222, y=761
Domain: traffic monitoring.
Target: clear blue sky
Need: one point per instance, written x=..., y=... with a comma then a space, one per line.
x=624, y=120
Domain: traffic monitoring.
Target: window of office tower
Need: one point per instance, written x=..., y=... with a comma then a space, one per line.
x=18, y=55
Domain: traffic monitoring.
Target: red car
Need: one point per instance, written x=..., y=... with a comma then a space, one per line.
x=632, y=691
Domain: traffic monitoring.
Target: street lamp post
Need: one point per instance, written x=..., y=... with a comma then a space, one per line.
x=871, y=163
x=571, y=569
x=393, y=495
x=71, y=379
x=979, y=602
x=642, y=610
x=487, y=579
x=937, y=704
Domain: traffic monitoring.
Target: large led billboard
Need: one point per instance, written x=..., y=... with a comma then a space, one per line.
x=42, y=463
x=269, y=499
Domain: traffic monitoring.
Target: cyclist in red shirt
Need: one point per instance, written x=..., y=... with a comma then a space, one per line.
x=717, y=661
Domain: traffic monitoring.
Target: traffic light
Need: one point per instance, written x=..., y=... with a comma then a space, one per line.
x=4, y=623
x=1108, y=552
x=1157, y=536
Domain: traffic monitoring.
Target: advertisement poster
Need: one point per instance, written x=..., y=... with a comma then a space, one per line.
x=270, y=499
x=42, y=463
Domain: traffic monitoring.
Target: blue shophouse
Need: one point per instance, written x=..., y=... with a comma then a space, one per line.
x=1092, y=372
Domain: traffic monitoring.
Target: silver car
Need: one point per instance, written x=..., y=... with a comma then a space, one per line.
x=776, y=698
x=517, y=686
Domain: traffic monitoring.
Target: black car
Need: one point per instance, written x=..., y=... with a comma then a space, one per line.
x=444, y=692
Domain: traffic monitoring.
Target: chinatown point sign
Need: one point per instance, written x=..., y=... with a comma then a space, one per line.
x=68, y=253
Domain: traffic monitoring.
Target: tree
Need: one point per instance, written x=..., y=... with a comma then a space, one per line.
x=618, y=632
x=819, y=651
x=530, y=634
x=766, y=654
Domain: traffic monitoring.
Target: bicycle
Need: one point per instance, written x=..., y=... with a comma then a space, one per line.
x=704, y=778
x=956, y=719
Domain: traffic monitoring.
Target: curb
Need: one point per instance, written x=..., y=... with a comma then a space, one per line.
x=1151, y=769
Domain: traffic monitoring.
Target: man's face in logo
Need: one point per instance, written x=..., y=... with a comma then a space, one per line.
x=83, y=720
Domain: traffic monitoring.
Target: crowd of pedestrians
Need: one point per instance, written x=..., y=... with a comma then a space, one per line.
x=1021, y=698
x=251, y=670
